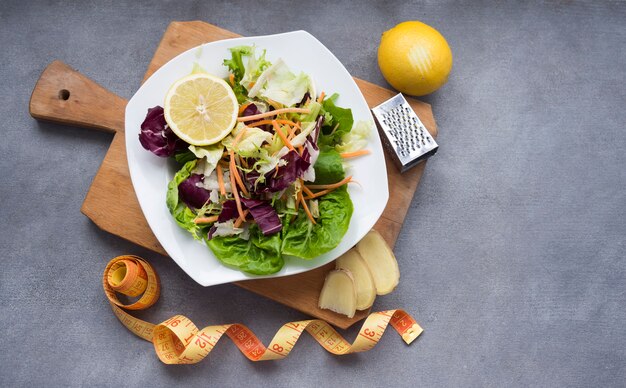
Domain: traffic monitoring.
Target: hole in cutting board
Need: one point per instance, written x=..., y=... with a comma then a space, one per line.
x=64, y=94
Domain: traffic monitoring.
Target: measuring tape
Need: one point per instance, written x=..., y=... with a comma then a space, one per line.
x=178, y=341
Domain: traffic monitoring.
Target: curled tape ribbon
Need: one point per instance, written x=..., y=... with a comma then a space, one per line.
x=178, y=341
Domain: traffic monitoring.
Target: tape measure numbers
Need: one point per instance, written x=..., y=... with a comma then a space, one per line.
x=178, y=341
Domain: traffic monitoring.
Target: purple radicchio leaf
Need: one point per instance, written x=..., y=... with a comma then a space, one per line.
x=253, y=109
x=311, y=150
x=283, y=177
x=229, y=211
x=250, y=110
x=288, y=173
x=211, y=231
x=157, y=137
x=315, y=133
x=264, y=215
x=192, y=193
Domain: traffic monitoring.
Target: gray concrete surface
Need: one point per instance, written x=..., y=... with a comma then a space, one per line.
x=512, y=255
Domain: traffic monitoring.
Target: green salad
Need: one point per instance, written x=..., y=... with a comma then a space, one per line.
x=276, y=185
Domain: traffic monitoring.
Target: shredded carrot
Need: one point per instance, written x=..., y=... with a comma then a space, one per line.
x=279, y=121
x=241, y=220
x=235, y=174
x=273, y=113
x=282, y=136
x=300, y=150
x=331, y=186
x=220, y=179
x=321, y=97
x=306, y=208
x=238, y=137
x=354, y=154
x=292, y=133
x=205, y=220
x=319, y=194
x=252, y=84
x=243, y=107
x=236, y=192
x=231, y=78
x=306, y=190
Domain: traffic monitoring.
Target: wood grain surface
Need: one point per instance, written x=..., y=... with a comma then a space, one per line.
x=66, y=96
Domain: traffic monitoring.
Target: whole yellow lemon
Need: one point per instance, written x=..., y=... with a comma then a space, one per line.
x=414, y=58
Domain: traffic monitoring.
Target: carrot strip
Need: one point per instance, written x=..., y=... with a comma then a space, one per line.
x=306, y=208
x=306, y=189
x=220, y=179
x=234, y=173
x=241, y=220
x=258, y=123
x=331, y=186
x=319, y=194
x=273, y=113
x=354, y=154
x=205, y=220
x=282, y=136
x=279, y=121
x=321, y=97
x=300, y=150
x=231, y=78
x=238, y=137
x=236, y=192
x=292, y=133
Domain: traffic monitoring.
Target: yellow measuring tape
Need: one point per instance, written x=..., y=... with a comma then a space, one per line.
x=178, y=341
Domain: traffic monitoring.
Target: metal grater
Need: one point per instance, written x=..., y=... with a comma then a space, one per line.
x=403, y=133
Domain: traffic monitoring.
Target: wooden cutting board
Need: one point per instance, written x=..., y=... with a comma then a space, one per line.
x=65, y=96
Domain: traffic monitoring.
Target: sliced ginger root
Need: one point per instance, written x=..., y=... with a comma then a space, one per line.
x=339, y=293
x=363, y=280
x=381, y=261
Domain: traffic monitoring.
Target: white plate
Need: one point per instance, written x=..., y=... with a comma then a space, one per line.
x=150, y=174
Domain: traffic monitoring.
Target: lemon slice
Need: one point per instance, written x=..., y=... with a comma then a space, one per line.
x=201, y=109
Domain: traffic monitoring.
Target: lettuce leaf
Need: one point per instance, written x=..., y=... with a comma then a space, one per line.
x=305, y=240
x=259, y=255
x=182, y=214
x=235, y=63
x=249, y=145
x=236, y=66
x=278, y=83
x=184, y=157
x=357, y=138
x=329, y=168
x=337, y=125
x=209, y=156
x=253, y=68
